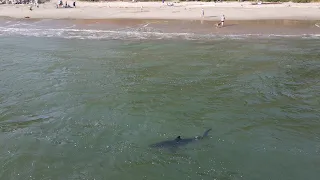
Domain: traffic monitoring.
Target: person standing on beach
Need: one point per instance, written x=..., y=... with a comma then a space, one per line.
x=222, y=20
x=202, y=12
x=60, y=4
x=220, y=24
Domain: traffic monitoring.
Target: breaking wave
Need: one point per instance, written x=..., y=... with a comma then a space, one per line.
x=142, y=32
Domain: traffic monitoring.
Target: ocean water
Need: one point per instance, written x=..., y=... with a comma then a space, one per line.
x=80, y=103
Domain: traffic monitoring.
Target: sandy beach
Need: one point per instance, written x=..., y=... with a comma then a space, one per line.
x=159, y=10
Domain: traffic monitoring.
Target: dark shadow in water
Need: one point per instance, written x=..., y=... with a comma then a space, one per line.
x=23, y=122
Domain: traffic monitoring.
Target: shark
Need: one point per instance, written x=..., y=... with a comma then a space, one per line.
x=178, y=141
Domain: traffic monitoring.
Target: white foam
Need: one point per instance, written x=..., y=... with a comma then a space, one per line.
x=128, y=33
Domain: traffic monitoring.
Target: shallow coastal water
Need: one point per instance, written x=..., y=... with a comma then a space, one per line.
x=87, y=108
x=158, y=29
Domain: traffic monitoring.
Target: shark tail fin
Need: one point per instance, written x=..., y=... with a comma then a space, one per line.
x=205, y=134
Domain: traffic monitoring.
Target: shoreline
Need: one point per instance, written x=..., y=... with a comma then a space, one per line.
x=150, y=27
x=159, y=11
x=108, y=19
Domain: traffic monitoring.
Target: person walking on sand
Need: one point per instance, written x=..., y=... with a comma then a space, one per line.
x=220, y=24
x=202, y=12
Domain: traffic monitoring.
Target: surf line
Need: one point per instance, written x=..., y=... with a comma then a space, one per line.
x=317, y=25
x=147, y=24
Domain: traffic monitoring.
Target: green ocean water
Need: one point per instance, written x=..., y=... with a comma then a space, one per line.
x=88, y=109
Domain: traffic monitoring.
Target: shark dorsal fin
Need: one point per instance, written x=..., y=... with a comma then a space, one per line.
x=178, y=138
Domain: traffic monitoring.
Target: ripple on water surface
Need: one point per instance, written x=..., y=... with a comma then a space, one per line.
x=89, y=109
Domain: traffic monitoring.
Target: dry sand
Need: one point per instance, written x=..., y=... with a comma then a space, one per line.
x=158, y=10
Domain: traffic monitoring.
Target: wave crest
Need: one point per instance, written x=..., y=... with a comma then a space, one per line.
x=143, y=32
